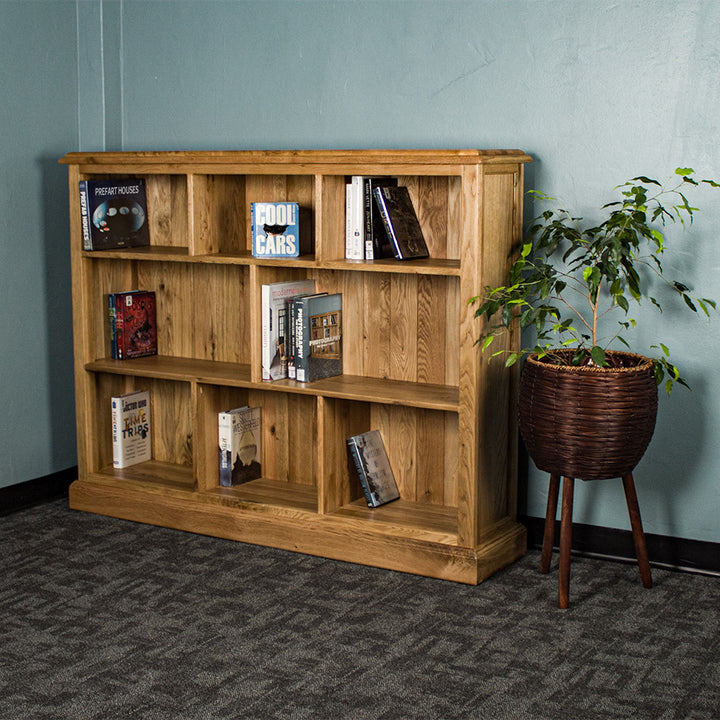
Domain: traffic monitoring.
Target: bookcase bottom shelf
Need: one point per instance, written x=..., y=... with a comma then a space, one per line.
x=351, y=534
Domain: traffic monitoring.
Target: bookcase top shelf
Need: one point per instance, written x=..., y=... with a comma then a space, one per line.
x=301, y=162
x=292, y=161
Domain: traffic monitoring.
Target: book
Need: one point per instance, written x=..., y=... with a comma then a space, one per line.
x=354, y=219
x=275, y=229
x=239, y=440
x=113, y=214
x=131, y=428
x=274, y=297
x=377, y=242
x=401, y=222
x=373, y=467
x=318, y=337
x=133, y=324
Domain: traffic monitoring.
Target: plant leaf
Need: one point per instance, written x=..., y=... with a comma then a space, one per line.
x=598, y=356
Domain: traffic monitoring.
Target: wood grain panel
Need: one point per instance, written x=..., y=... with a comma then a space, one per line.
x=431, y=449
x=172, y=285
x=218, y=219
x=167, y=201
x=432, y=350
x=401, y=445
x=302, y=437
x=221, y=313
x=403, y=327
x=330, y=219
x=171, y=419
x=377, y=320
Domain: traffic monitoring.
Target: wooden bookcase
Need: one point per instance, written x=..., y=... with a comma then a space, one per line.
x=411, y=366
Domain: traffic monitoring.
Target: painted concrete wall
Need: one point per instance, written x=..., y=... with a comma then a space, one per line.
x=595, y=92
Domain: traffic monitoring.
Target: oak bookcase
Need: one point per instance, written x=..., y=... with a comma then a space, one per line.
x=411, y=365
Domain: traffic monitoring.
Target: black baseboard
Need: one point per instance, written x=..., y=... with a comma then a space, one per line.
x=667, y=552
x=32, y=492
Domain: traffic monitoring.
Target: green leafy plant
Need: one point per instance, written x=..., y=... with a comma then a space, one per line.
x=568, y=277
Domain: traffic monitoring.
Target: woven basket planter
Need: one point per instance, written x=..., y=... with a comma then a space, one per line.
x=587, y=422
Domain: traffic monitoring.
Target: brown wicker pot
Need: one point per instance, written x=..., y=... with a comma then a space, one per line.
x=587, y=422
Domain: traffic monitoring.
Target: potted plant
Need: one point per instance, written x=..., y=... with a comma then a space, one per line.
x=587, y=410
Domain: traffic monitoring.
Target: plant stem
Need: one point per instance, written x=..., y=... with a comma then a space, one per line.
x=594, y=306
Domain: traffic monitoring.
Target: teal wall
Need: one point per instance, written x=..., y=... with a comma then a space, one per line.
x=595, y=91
x=38, y=123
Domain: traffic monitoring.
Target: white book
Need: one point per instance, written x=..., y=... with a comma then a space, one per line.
x=239, y=437
x=355, y=220
x=275, y=324
x=131, y=428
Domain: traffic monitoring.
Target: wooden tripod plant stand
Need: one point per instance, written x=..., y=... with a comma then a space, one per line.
x=566, y=533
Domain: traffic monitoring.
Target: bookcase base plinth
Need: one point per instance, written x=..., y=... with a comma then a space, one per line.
x=330, y=536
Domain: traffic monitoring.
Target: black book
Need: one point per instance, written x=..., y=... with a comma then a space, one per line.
x=373, y=468
x=113, y=214
x=401, y=222
x=377, y=242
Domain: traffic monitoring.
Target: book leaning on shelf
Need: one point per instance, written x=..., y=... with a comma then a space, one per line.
x=131, y=428
x=318, y=349
x=239, y=438
x=377, y=242
x=401, y=222
x=133, y=324
x=373, y=468
x=113, y=214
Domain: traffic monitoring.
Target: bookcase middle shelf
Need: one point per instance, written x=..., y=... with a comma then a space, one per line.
x=348, y=387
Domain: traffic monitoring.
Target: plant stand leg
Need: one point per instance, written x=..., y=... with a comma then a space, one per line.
x=549, y=534
x=637, y=530
x=565, y=542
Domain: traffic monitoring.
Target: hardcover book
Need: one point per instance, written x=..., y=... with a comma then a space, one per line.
x=275, y=229
x=133, y=326
x=131, y=428
x=275, y=324
x=113, y=214
x=318, y=337
x=401, y=222
x=373, y=467
x=377, y=242
x=239, y=445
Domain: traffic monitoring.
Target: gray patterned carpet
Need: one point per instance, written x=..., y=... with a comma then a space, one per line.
x=106, y=619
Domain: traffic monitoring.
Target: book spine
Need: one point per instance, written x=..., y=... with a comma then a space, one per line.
x=302, y=345
x=112, y=317
x=290, y=342
x=85, y=218
x=117, y=442
x=225, y=448
x=85, y=215
x=266, y=332
x=119, y=324
x=387, y=222
x=355, y=454
x=348, y=221
x=355, y=236
x=367, y=218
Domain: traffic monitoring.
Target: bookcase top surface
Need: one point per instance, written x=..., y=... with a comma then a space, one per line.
x=284, y=157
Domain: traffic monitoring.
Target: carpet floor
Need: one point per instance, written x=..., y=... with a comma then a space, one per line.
x=103, y=619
